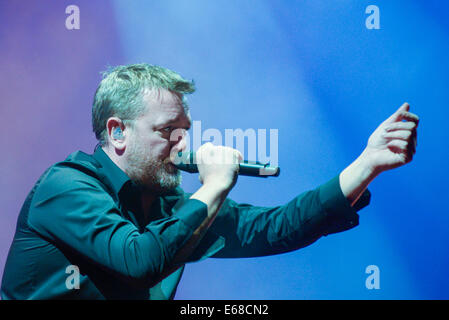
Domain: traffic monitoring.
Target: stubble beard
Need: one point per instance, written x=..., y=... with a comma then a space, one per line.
x=153, y=175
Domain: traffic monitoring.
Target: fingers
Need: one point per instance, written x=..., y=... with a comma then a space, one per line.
x=402, y=149
x=404, y=144
x=401, y=132
x=211, y=154
x=398, y=134
x=404, y=108
x=401, y=126
x=403, y=113
x=239, y=156
x=398, y=145
x=408, y=116
x=218, y=165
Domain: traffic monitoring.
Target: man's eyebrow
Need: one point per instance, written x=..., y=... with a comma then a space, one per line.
x=174, y=121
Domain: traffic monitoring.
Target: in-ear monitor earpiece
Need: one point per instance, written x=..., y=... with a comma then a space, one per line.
x=117, y=133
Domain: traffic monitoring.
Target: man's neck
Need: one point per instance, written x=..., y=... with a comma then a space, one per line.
x=146, y=197
x=146, y=200
x=114, y=157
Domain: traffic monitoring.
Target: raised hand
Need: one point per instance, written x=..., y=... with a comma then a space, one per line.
x=394, y=142
x=391, y=145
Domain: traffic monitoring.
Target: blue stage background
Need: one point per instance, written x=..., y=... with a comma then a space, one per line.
x=310, y=69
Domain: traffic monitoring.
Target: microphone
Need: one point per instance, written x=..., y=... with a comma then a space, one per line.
x=187, y=162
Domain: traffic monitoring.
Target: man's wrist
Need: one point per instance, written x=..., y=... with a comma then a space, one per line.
x=367, y=166
x=212, y=194
x=217, y=185
x=357, y=176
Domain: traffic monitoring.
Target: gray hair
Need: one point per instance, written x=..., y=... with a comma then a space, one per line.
x=121, y=92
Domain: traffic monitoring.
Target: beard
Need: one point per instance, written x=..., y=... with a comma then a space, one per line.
x=151, y=174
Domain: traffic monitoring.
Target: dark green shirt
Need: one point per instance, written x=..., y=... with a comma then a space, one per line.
x=86, y=212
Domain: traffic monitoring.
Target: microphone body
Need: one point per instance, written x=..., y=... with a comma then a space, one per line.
x=187, y=162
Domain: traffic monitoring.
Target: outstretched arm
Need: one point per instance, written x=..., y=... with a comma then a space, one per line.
x=391, y=145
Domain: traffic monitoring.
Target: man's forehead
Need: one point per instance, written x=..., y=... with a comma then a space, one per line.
x=165, y=106
x=164, y=98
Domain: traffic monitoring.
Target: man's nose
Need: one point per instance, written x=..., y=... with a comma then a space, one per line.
x=182, y=144
x=179, y=140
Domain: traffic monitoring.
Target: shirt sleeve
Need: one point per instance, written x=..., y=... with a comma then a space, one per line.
x=72, y=209
x=251, y=231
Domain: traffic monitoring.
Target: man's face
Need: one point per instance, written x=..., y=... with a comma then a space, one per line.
x=151, y=141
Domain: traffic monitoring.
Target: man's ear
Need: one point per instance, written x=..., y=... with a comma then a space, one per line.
x=117, y=133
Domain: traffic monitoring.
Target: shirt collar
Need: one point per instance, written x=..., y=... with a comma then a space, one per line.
x=118, y=180
x=115, y=176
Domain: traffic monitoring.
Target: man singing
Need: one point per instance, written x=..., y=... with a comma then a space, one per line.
x=119, y=219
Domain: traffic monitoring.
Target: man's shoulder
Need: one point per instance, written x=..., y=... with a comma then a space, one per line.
x=62, y=180
x=80, y=160
x=77, y=167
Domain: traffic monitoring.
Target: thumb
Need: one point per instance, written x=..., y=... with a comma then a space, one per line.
x=397, y=115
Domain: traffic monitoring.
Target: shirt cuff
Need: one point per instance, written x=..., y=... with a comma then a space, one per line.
x=340, y=216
